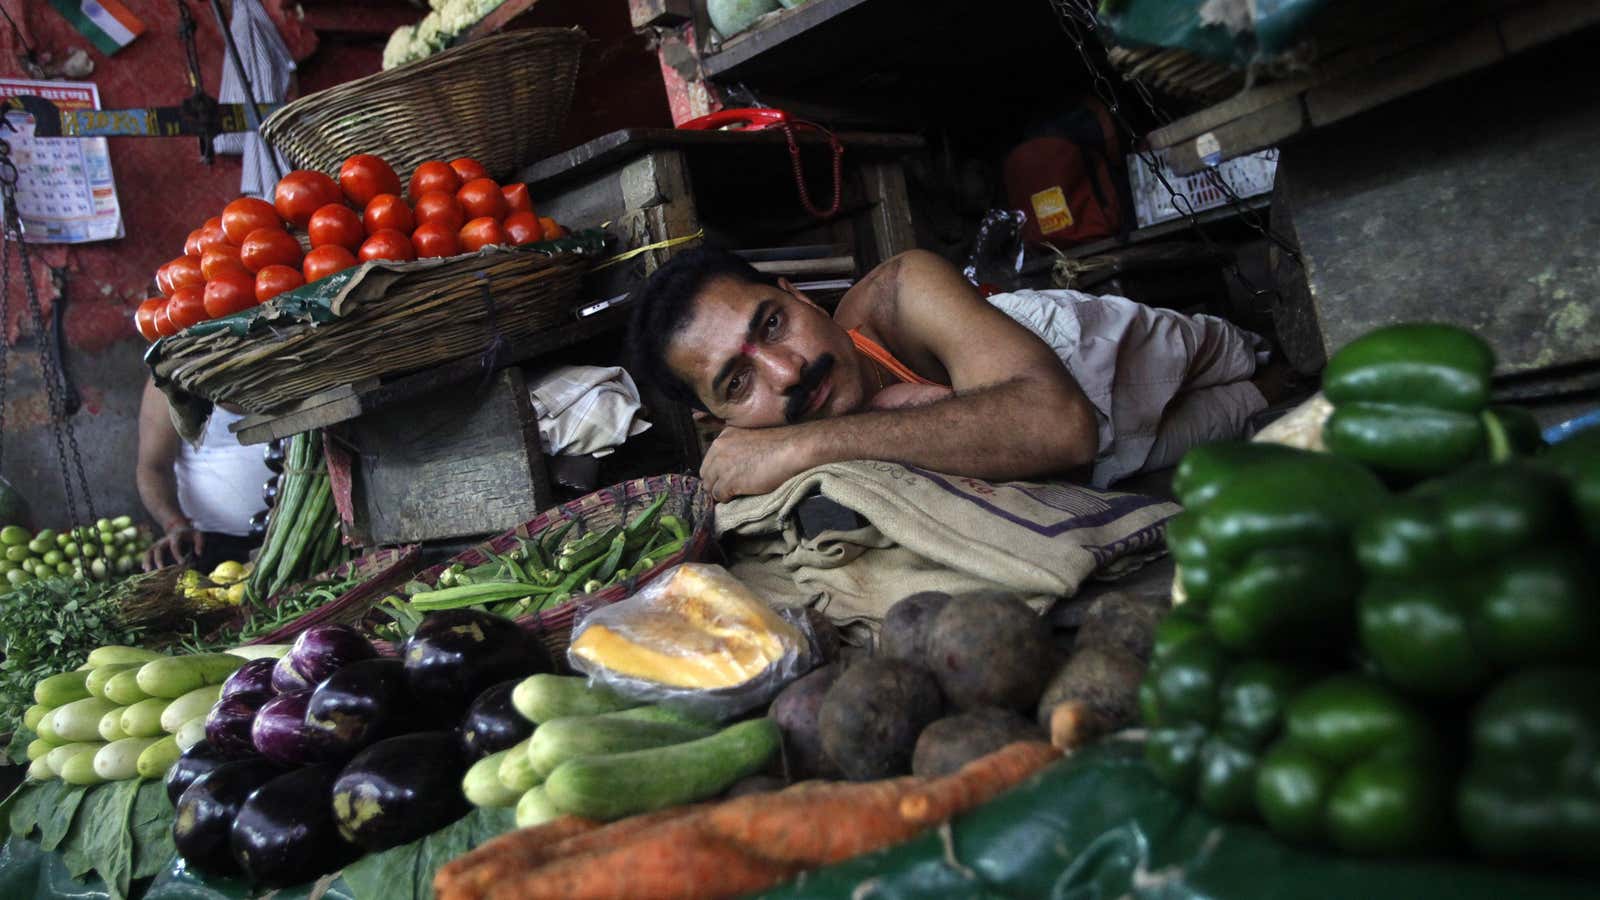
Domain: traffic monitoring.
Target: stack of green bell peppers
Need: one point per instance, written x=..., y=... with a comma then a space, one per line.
x=1390, y=672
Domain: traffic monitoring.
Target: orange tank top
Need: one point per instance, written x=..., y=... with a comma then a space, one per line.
x=884, y=358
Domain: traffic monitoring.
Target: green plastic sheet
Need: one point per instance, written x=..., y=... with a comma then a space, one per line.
x=1273, y=27
x=1100, y=825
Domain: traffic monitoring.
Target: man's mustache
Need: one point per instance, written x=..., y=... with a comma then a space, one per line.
x=799, y=394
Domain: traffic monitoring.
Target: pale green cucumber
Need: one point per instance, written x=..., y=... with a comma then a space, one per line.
x=95, y=684
x=158, y=757
x=32, y=715
x=535, y=808
x=197, y=702
x=119, y=760
x=626, y=784
x=191, y=732
x=482, y=783
x=540, y=698
x=261, y=651
x=143, y=719
x=559, y=740
x=38, y=748
x=111, y=726
x=172, y=678
x=124, y=688
x=80, y=719
x=79, y=769
x=39, y=770
x=516, y=769
x=59, y=690
x=59, y=756
x=46, y=729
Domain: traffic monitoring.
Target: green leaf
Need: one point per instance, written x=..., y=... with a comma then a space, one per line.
x=406, y=872
x=152, y=830
x=56, y=818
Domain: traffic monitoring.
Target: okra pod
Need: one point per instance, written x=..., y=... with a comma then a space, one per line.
x=646, y=518
x=676, y=526
x=591, y=546
x=550, y=542
x=613, y=558
x=470, y=595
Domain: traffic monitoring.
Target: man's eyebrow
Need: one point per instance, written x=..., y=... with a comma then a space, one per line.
x=762, y=310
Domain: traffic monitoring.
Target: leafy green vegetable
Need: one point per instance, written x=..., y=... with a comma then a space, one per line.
x=50, y=627
x=406, y=872
x=122, y=830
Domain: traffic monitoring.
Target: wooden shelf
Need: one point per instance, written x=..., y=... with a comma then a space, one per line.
x=786, y=26
x=1167, y=228
x=1364, y=78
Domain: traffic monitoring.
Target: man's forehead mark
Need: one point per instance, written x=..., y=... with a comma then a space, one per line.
x=746, y=346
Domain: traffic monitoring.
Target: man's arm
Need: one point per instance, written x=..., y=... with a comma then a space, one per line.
x=158, y=483
x=1015, y=411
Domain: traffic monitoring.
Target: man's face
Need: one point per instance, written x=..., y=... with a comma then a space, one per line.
x=759, y=355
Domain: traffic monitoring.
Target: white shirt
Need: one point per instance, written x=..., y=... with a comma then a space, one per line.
x=220, y=481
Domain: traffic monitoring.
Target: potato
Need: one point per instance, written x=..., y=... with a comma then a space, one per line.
x=1103, y=684
x=872, y=715
x=1120, y=620
x=795, y=711
x=954, y=741
x=906, y=625
x=990, y=650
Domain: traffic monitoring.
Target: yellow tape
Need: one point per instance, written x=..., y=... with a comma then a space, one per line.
x=658, y=245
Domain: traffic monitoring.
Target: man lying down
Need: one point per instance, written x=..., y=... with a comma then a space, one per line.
x=915, y=367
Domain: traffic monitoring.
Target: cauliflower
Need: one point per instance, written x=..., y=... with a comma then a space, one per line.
x=398, y=50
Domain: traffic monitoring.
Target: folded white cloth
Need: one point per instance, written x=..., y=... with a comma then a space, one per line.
x=268, y=64
x=585, y=409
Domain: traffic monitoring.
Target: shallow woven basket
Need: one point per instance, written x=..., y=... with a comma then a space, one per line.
x=381, y=571
x=501, y=100
x=423, y=318
x=686, y=498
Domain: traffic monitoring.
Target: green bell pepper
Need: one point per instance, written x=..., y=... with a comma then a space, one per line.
x=1266, y=554
x=1577, y=459
x=1210, y=717
x=1471, y=574
x=1409, y=400
x=1531, y=792
x=1358, y=767
x=1206, y=468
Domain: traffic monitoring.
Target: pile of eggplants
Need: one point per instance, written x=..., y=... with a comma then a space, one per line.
x=334, y=751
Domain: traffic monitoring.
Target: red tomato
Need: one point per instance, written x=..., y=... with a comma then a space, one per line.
x=185, y=272
x=387, y=211
x=164, y=279
x=387, y=243
x=523, y=228
x=144, y=318
x=481, y=198
x=274, y=280
x=517, y=199
x=480, y=233
x=468, y=169
x=163, y=322
x=433, y=176
x=302, y=192
x=365, y=176
x=187, y=307
x=211, y=233
x=435, y=239
x=552, y=230
x=338, y=225
x=438, y=206
x=219, y=258
x=245, y=215
x=230, y=292
x=269, y=247
x=326, y=260
x=191, y=245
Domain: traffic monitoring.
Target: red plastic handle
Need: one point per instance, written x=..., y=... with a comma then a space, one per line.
x=752, y=118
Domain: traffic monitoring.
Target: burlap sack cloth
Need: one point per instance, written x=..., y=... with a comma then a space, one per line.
x=930, y=531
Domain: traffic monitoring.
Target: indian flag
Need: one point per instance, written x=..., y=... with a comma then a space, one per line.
x=108, y=24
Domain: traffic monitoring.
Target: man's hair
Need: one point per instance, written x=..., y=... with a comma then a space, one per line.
x=662, y=307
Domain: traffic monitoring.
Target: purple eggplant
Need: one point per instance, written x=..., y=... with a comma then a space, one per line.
x=318, y=652
x=195, y=762
x=229, y=724
x=401, y=789
x=492, y=724
x=280, y=732
x=456, y=654
x=205, y=812
x=254, y=678
x=361, y=703
x=285, y=834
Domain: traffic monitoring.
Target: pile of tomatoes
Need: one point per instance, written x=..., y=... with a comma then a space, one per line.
x=248, y=255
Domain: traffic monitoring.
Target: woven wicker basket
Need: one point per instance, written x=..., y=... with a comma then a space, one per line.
x=598, y=511
x=408, y=318
x=381, y=571
x=501, y=100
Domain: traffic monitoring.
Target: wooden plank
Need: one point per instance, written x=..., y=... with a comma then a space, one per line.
x=498, y=19
x=626, y=143
x=1167, y=228
x=1244, y=103
x=828, y=265
x=1405, y=74
x=659, y=13
x=747, y=45
x=890, y=228
x=1258, y=131
x=458, y=463
x=1545, y=22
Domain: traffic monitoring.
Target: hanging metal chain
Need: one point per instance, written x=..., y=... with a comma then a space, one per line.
x=49, y=365
x=1077, y=18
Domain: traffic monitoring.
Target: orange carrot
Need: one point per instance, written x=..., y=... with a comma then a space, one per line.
x=674, y=861
x=976, y=783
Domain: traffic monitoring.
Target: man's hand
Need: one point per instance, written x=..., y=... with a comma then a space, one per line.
x=745, y=461
x=182, y=541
